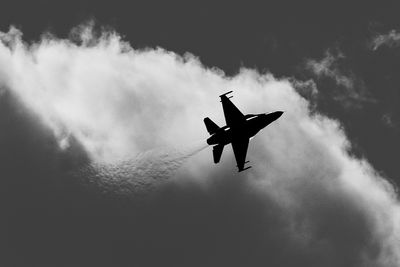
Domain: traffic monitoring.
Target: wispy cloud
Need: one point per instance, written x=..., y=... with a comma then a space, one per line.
x=117, y=102
x=390, y=39
x=389, y=121
x=351, y=91
x=328, y=67
x=306, y=88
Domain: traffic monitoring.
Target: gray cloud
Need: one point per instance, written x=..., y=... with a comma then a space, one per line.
x=390, y=39
x=305, y=202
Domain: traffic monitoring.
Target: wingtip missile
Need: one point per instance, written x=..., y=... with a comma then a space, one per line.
x=226, y=94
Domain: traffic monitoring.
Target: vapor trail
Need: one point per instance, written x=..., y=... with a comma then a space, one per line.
x=132, y=177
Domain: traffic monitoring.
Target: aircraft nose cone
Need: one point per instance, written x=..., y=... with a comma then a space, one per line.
x=278, y=114
x=273, y=116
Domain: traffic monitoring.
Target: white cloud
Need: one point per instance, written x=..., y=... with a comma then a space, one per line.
x=118, y=102
x=390, y=39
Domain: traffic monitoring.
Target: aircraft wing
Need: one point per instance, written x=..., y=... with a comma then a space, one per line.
x=240, y=150
x=233, y=116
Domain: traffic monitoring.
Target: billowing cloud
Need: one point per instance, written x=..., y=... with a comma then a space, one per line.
x=306, y=201
x=390, y=39
x=350, y=91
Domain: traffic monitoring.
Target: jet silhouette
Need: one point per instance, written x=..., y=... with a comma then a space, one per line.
x=238, y=131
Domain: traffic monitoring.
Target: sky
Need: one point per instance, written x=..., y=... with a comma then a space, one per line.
x=103, y=156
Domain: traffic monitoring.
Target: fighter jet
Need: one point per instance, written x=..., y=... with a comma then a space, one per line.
x=238, y=131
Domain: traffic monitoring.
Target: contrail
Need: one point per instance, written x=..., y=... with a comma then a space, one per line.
x=137, y=176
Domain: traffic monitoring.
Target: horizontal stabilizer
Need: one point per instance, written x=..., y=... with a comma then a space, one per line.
x=217, y=152
x=212, y=128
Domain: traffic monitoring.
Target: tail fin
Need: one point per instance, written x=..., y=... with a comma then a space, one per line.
x=212, y=128
x=217, y=152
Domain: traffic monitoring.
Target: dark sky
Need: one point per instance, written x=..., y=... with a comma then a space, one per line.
x=50, y=220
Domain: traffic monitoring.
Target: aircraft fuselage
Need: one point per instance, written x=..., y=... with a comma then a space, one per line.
x=253, y=124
